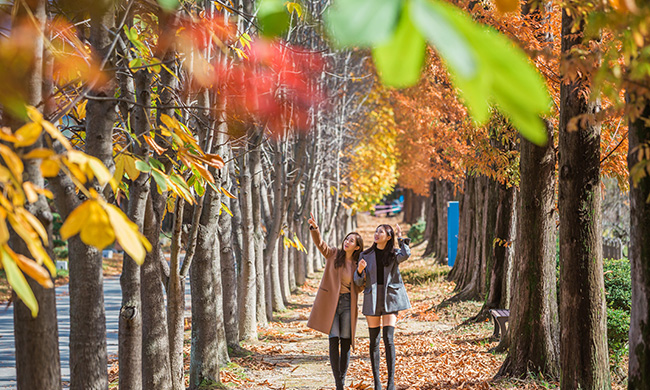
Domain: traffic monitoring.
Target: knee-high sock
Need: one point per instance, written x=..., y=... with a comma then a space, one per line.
x=335, y=361
x=389, y=344
x=374, y=355
x=345, y=358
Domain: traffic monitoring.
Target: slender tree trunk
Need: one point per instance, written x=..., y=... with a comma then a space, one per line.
x=130, y=320
x=204, y=363
x=176, y=301
x=36, y=339
x=247, y=284
x=273, y=237
x=639, y=367
x=258, y=238
x=431, y=231
x=583, y=341
x=229, y=277
x=534, y=328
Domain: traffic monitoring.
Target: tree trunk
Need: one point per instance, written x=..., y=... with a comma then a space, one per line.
x=639, y=367
x=156, y=369
x=206, y=346
x=273, y=237
x=228, y=277
x=583, y=343
x=36, y=339
x=444, y=190
x=255, y=167
x=247, y=283
x=534, y=346
x=130, y=320
x=176, y=301
x=500, y=247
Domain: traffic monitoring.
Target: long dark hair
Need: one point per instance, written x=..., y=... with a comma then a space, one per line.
x=340, y=254
x=390, y=245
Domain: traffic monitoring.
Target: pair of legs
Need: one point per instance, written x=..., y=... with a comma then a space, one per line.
x=341, y=336
x=375, y=328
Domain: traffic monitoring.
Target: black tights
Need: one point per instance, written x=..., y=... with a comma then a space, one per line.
x=339, y=360
x=389, y=346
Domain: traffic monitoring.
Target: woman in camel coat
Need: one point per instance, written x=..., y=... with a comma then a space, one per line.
x=335, y=307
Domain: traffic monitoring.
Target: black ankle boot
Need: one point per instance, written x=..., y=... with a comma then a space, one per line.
x=374, y=355
x=389, y=346
x=335, y=362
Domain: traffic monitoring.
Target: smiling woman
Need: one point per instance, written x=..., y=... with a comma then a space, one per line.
x=335, y=307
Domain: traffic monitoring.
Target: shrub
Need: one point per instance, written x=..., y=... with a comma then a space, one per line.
x=618, y=290
x=61, y=252
x=618, y=283
x=416, y=232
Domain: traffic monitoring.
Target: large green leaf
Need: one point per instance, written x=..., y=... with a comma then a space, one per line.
x=18, y=282
x=362, y=23
x=448, y=41
x=169, y=5
x=399, y=61
x=273, y=18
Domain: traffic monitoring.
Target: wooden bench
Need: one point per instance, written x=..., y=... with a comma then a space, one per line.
x=500, y=317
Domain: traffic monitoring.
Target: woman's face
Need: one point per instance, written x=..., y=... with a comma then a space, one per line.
x=381, y=236
x=350, y=244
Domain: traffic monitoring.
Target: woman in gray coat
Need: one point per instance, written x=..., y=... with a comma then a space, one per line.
x=384, y=294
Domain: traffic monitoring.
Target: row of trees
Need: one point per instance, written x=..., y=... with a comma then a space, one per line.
x=188, y=121
x=519, y=199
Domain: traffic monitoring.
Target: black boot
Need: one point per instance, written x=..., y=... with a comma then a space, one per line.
x=374, y=355
x=335, y=362
x=345, y=359
x=389, y=345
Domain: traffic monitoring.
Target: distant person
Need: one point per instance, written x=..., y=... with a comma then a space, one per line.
x=335, y=307
x=384, y=294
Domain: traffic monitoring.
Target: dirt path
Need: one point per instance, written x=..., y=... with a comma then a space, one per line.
x=431, y=353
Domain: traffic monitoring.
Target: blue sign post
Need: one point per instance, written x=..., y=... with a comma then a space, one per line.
x=453, y=218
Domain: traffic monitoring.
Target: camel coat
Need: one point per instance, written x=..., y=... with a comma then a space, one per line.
x=327, y=296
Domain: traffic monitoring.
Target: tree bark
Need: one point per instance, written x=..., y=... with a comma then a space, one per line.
x=639, y=367
x=130, y=320
x=36, y=339
x=247, y=284
x=534, y=327
x=206, y=348
x=431, y=231
x=583, y=343
x=255, y=167
x=228, y=275
x=176, y=301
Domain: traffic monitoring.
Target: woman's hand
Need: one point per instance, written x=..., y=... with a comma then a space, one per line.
x=398, y=231
x=312, y=221
x=362, y=266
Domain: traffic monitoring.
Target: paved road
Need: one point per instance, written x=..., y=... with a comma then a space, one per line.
x=112, y=302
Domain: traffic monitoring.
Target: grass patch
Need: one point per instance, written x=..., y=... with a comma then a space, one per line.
x=420, y=275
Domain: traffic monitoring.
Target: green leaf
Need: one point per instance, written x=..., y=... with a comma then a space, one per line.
x=156, y=164
x=142, y=166
x=169, y=5
x=273, y=18
x=448, y=41
x=399, y=61
x=362, y=22
x=159, y=177
x=200, y=189
x=18, y=282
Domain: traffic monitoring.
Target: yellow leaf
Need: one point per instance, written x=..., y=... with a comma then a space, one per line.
x=170, y=122
x=156, y=148
x=7, y=135
x=40, y=256
x=34, y=114
x=129, y=166
x=33, y=222
x=5, y=175
x=30, y=192
x=49, y=168
x=76, y=171
x=4, y=232
x=228, y=194
x=119, y=167
x=81, y=110
x=39, y=153
x=34, y=271
x=17, y=280
x=56, y=134
x=13, y=162
x=127, y=233
x=223, y=206
x=28, y=134
x=97, y=230
x=102, y=173
x=75, y=221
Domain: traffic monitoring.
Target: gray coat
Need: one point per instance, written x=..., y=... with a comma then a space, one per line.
x=396, y=298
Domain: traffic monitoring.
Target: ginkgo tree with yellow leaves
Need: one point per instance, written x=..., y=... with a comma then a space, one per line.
x=98, y=222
